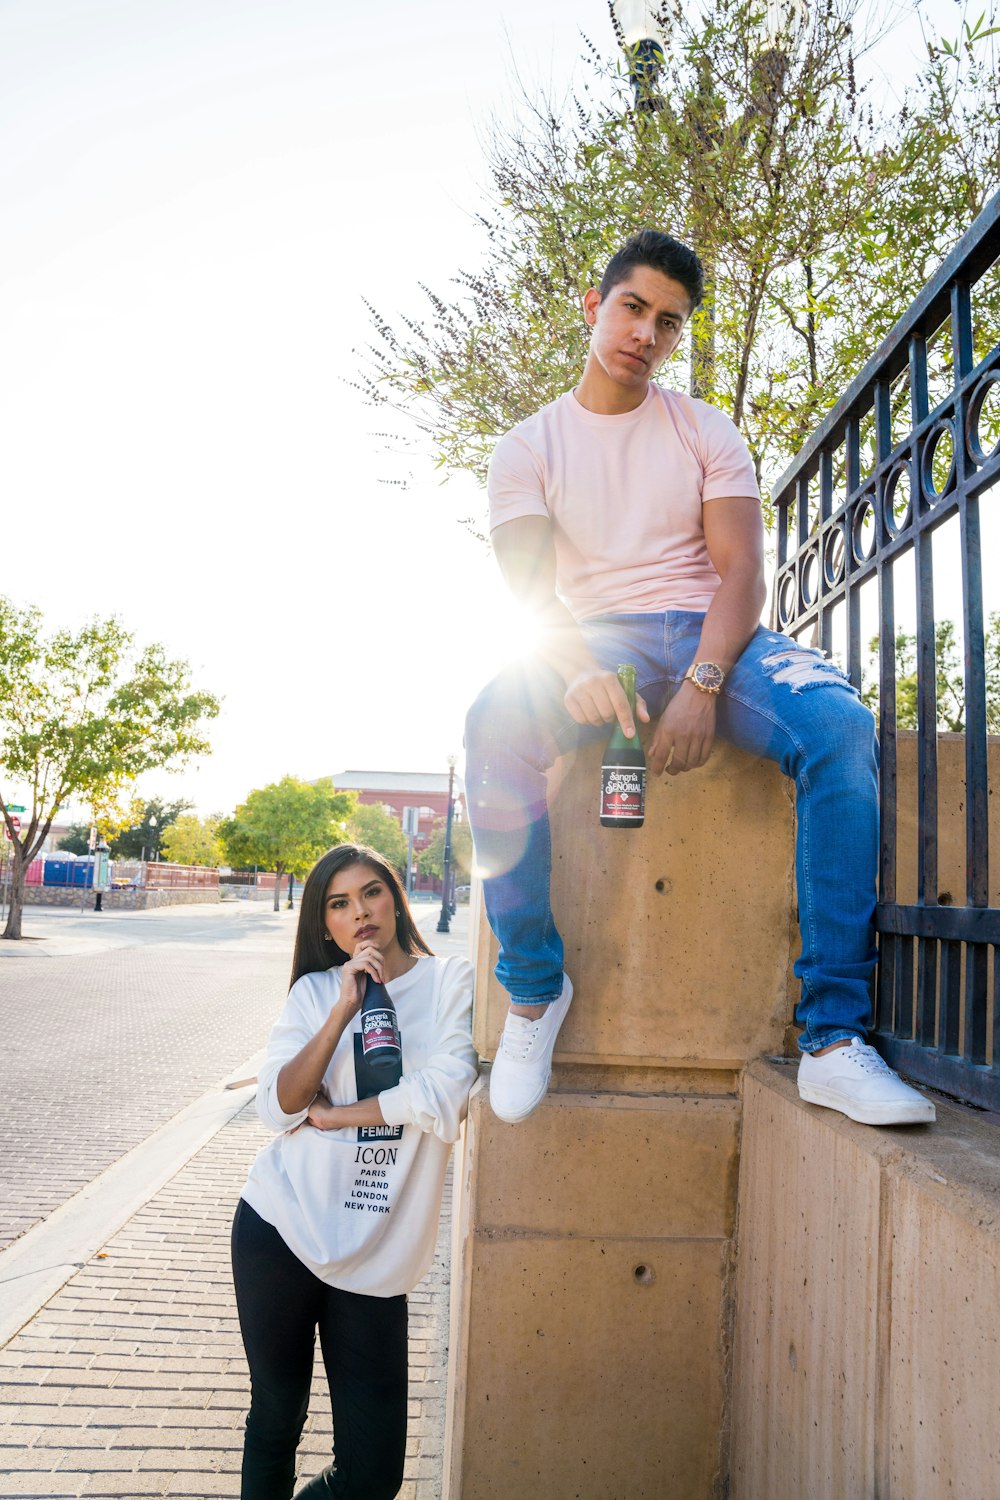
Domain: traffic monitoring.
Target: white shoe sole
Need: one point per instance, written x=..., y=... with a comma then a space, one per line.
x=921, y=1112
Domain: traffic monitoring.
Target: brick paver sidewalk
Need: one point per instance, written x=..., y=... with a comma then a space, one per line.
x=102, y=1048
x=132, y=1380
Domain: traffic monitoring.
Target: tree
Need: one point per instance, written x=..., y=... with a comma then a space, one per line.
x=431, y=859
x=949, y=678
x=140, y=838
x=374, y=825
x=77, y=840
x=82, y=715
x=190, y=840
x=286, y=826
x=817, y=220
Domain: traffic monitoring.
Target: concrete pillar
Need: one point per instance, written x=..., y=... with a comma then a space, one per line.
x=593, y=1254
x=868, y=1296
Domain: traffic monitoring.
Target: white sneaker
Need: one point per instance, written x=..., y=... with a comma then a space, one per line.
x=860, y=1083
x=523, y=1065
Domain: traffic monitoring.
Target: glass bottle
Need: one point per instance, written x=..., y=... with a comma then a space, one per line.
x=623, y=769
x=380, y=1045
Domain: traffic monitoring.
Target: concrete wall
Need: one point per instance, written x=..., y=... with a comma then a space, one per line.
x=599, y=1281
x=867, y=1350
x=951, y=818
x=594, y=1242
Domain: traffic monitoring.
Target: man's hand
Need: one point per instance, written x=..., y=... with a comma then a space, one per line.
x=596, y=697
x=685, y=734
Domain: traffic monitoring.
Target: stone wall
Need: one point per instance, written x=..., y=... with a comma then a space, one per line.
x=129, y=900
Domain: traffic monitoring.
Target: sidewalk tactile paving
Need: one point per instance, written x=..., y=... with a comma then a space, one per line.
x=132, y=1380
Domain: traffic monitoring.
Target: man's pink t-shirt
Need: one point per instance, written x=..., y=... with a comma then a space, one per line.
x=624, y=494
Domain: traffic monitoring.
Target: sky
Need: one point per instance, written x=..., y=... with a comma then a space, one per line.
x=196, y=198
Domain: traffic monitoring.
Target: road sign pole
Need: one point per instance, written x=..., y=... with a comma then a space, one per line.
x=411, y=824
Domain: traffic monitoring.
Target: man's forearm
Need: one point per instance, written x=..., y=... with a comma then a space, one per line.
x=735, y=540
x=527, y=559
x=562, y=643
x=731, y=619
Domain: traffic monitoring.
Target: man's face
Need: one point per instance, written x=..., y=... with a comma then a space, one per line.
x=637, y=325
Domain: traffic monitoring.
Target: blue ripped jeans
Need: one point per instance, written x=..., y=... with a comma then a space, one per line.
x=781, y=701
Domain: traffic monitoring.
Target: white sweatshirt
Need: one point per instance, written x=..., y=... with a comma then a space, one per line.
x=360, y=1205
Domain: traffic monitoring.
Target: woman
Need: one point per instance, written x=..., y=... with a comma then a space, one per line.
x=338, y=1219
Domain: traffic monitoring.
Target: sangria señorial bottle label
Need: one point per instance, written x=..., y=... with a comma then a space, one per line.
x=378, y=1029
x=623, y=791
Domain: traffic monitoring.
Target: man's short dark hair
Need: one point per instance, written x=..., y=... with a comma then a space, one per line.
x=661, y=252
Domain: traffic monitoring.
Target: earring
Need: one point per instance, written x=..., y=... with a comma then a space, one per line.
x=326, y=937
x=398, y=912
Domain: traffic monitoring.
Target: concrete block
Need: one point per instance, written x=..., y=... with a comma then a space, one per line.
x=678, y=935
x=590, y=1285
x=943, y=1438
x=805, y=1355
x=594, y=1369
x=868, y=1303
x=610, y=1165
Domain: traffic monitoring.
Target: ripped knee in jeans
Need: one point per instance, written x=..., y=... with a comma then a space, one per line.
x=801, y=667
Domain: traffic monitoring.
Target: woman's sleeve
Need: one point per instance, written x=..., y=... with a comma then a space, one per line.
x=435, y=1097
x=297, y=1024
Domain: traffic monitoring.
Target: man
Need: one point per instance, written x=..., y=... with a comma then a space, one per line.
x=629, y=517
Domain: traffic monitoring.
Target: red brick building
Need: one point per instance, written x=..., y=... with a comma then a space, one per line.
x=395, y=790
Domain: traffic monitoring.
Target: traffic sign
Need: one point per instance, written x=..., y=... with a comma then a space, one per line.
x=17, y=826
x=12, y=807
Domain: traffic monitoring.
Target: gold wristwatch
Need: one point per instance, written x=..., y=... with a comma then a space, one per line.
x=707, y=676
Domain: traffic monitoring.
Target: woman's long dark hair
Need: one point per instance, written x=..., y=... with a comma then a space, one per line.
x=313, y=953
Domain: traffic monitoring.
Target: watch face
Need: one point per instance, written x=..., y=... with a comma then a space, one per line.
x=708, y=675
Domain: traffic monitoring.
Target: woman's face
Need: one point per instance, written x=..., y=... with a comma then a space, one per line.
x=358, y=907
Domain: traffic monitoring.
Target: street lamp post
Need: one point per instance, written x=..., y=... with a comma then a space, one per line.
x=642, y=41
x=640, y=30
x=444, y=924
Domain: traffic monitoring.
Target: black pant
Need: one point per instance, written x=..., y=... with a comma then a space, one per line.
x=363, y=1339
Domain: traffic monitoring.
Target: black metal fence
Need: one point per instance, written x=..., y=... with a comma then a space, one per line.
x=905, y=473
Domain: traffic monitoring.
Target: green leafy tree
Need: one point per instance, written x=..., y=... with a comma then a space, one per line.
x=431, y=858
x=190, y=840
x=142, y=838
x=286, y=826
x=82, y=715
x=77, y=840
x=817, y=217
x=372, y=824
x=949, y=678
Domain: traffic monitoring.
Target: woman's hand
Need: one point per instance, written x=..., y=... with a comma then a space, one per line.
x=322, y=1114
x=326, y=1116
x=367, y=960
